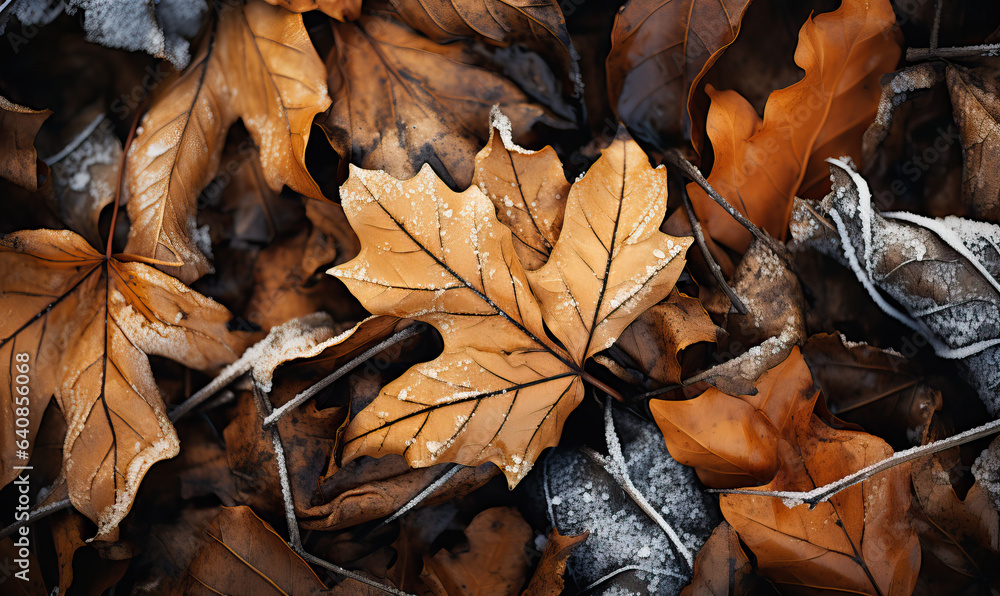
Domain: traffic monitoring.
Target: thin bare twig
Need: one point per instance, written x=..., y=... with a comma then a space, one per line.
x=823, y=493
x=36, y=514
x=428, y=491
x=936, y=28
x=699, y=237
x=687, y=168
x=301, y=398
x=264, y=408
x=917, y=54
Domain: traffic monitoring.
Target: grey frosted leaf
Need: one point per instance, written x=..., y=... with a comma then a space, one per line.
x=158, y=28
x=942, y=273
x=627, y=551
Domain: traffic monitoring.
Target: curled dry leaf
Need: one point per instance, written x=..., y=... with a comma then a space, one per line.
x=18, y=126
x=401, y=100
x=655, y=339
x=342, y=10
x=242, y=554
x=502, y=389
x=974, y=95
x=528, y=189
x=734, y=441
x=494, y=562
x=85, y=324
x=860, y=540
x=259, y=66
x=548, y=577
x=659, y=52
x=760, y=165
x=942, y=272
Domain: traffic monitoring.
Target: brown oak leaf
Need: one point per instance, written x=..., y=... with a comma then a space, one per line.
x=259, y=66
x=18, y=126
x=502, y=389
x=760, y=165
x=85, y=323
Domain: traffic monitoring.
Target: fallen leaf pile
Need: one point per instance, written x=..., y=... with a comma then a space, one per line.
x=499, y=297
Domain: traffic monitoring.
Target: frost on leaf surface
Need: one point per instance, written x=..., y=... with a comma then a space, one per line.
x=627, y=551
x=942, y=272
x=502, y=389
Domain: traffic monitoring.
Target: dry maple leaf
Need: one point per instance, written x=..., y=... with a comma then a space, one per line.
x=86, y=323
x=502, y=389
x=760, y=165
x=659, y=51
x=259, y=66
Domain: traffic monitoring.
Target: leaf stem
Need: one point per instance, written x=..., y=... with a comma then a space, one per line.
x=600, y=385
x=121, y=175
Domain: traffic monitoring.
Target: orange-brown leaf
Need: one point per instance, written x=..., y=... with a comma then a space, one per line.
x=860, y=541
x=18, y=126
x=259, y=66
x=548, y=578
x=342, y=10
x=502, y=389
x=733, y=441
x=86, y=324
x=760, y=165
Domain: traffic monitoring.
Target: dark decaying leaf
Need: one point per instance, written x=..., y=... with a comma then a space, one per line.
x=977, y=112
x=722, y=568
x=401, y=100
x=874, y=388
x=659, y=51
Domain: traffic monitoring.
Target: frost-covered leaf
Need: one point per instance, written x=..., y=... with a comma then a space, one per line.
x=943, y=273
x=761, y=164
x=18, y=126
x=502, y=389
x=86, y=323
x=259, y=66
x=627, y=551
x=160, y=28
